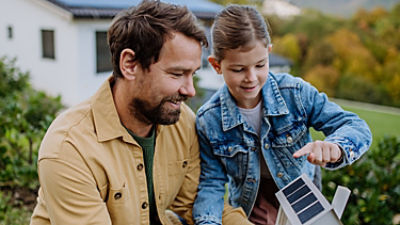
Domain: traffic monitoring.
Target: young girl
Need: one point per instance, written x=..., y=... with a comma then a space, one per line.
x=254, y=131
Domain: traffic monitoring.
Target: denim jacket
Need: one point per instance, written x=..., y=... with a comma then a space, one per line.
x=230, y=149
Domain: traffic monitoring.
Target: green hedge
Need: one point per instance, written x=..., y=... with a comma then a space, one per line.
x=375, y=184
x=25, y=115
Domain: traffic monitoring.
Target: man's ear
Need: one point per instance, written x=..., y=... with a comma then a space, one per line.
x=215, y=64
x=127, y=64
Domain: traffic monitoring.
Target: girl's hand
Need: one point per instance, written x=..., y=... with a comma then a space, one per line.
x=320, y=152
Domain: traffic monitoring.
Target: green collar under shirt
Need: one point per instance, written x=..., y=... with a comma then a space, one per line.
x=147, y=144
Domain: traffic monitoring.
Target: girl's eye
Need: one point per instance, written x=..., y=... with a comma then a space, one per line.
x=260, y=66
x=237, y=70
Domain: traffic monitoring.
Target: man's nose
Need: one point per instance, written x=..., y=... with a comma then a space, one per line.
x=188, y=88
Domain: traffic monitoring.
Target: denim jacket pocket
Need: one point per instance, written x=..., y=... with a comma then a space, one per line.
x=235, y=159
x=287, y=142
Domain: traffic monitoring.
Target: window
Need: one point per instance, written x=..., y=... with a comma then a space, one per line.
x=48, y=50
x=103, y=55
x=10, y=32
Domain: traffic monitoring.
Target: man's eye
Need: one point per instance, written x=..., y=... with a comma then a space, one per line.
x=177, y=74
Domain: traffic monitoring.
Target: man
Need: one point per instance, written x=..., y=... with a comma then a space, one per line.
x=130, y=152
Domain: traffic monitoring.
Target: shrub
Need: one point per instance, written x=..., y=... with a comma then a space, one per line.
x=374, y=181
x=24, y=117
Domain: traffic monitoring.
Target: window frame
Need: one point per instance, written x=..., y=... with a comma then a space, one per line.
x=48, y=43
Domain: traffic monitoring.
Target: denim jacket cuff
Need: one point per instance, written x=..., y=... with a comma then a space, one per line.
x=207, y=220
x=348, y=155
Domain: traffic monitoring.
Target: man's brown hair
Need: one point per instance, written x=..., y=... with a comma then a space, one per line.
x=146, y=27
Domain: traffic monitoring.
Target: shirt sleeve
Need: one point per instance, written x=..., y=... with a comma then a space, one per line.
x=68, y=186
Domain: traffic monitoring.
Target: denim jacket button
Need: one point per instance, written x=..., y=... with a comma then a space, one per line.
x=280, y=174
x=289, y=139
x=266, y=146
x=351, y=155
x=251, y=180
x=230, y=149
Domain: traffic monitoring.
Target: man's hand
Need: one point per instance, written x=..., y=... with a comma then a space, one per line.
x=320, y=152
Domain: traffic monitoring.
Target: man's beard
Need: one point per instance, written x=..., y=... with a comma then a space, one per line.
x=142, y=110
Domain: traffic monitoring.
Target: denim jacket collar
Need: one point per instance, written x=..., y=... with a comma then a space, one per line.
x=273, y=103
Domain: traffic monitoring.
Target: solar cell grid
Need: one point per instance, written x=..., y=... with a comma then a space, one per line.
x=298, y=194
x=309, y=213
x=304, y=202
x=294, y=186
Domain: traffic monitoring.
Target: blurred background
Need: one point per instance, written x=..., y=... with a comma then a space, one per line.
x=54, y=54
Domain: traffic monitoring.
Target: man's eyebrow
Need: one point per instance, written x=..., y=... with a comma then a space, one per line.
x=183, y=69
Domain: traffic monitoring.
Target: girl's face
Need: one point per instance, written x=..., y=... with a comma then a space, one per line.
x=245, y=71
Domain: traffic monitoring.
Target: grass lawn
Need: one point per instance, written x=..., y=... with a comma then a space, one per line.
x=381, y=123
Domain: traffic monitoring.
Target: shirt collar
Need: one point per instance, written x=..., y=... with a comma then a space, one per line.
x=274, y=104
x=106, y=120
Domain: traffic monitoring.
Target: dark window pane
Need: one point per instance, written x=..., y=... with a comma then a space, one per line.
x=10, y=32
x=48, y=50
x=103, y=56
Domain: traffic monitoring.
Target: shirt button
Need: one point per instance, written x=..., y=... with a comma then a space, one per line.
x=289, y=139
x=266, y=146
x=280, y=174
x=144, y=205
x=184, y=164
x=139, y=167
x=117, y=195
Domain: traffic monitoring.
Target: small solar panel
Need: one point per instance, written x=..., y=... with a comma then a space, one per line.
x=302, y=201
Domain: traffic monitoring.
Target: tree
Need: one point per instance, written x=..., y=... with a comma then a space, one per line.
x=324, y=78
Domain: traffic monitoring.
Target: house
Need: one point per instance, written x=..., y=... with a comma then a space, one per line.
x=63, y=42
x=301, y=203
x=280, y=8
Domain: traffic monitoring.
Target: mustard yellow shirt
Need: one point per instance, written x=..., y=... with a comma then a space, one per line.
x=91, y=170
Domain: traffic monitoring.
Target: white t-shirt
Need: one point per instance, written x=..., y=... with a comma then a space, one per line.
x=253, y=117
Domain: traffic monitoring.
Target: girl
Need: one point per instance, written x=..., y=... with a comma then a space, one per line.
x=254, y=131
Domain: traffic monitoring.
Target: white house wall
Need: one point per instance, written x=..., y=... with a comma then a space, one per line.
x=89, y=80
x=27, y=18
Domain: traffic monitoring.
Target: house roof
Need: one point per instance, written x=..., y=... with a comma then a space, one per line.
x=108, y=9
x=276, y=60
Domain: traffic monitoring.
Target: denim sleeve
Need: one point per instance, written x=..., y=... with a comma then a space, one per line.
x=209, y=203
x=341, y=127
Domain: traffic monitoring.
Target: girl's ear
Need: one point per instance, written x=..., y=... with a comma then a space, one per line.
x=215, y=64
x=127, y=64
x=269, y=48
